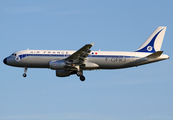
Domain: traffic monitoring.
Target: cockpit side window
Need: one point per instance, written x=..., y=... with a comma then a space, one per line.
x=14, y=54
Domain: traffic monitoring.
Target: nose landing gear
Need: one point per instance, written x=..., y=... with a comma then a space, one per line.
x=24, y=74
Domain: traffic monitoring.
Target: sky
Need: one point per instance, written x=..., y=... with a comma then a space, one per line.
x=143, y=92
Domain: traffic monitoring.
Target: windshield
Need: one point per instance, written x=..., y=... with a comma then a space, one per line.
x=14, y=54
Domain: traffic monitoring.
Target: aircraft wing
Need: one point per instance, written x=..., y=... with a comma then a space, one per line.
x=79, y=56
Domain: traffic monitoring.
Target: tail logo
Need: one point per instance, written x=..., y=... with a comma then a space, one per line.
x=149, y=48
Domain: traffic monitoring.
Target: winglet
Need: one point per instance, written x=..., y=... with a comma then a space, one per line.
x=92, y=43
x=155, y=55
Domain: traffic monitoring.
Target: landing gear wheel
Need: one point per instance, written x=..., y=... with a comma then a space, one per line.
x=24, y=75
x=79, y=73
x=82, y=78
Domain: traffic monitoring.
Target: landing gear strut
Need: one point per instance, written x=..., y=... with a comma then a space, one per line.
x=80, y=73
x=24, y=74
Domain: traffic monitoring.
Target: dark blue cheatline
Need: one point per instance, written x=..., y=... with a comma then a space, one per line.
x=64, y=55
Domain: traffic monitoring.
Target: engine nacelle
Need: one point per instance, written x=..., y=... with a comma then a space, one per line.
x=62, y=73
x=57, y=64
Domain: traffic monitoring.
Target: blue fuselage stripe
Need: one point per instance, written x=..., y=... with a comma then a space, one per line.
x=65, y=55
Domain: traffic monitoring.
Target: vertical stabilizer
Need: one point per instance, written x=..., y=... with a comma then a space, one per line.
x=154, y=42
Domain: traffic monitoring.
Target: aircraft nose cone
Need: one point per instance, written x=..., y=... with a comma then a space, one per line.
x=5, y=61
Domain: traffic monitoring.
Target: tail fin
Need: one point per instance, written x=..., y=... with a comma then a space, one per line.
x=154, y=42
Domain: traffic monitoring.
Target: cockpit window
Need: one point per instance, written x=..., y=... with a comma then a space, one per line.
x=14, y=54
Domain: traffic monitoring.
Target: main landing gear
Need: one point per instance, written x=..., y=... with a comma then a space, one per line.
x=82, y=78
x=24, y=74
x=80, y=74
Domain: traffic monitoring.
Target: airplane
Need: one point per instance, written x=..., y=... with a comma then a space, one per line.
x=66, y=62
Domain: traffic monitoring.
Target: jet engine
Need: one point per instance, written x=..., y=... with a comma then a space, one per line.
x=57, y=64
x=64, y=73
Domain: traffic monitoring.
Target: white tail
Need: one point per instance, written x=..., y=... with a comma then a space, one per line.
x=154, y=42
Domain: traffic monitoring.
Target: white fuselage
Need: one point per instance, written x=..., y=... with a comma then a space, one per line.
x=95, y=60
x=67, y=62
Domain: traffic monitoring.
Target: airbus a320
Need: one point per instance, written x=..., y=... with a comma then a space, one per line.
x=66, y=62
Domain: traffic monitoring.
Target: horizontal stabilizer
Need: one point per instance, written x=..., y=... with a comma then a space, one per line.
x=155, y=55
